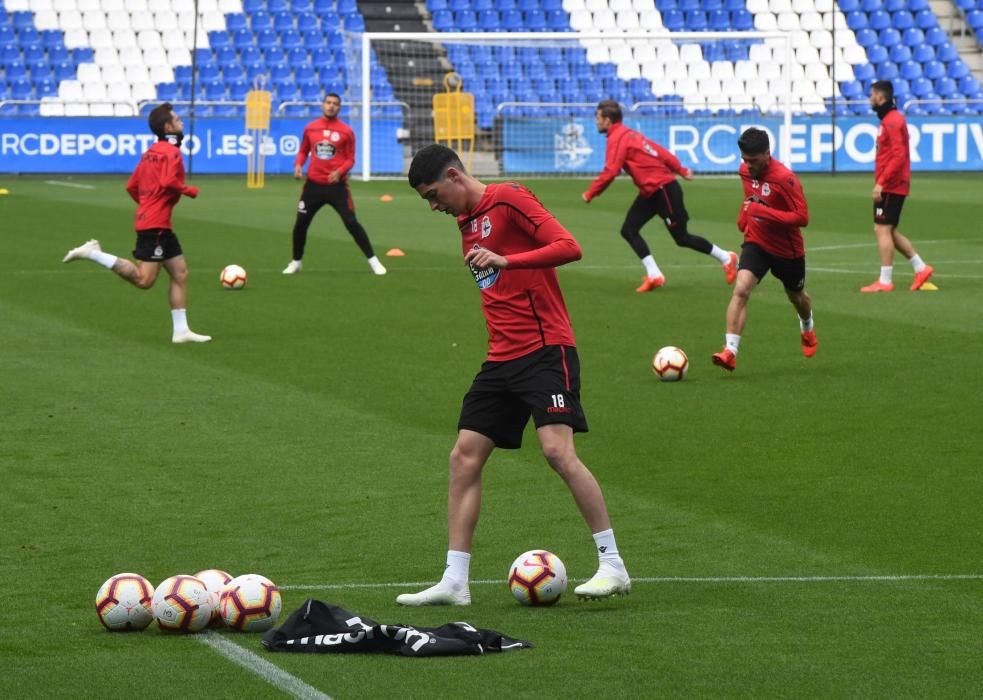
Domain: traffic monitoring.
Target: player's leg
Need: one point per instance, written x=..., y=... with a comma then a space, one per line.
x=550, y=386
x=792, y=274
x=753, y=266
x=311, y=200
x=901, y=243
x=884, y=224
x=141, y=274
x=177, y=269
x=341, y=200
x=640, y=213
x=676, y=218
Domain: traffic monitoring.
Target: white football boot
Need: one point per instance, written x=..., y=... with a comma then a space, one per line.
x=190, y=337
x=377, y=267
x=441, y=594
x=82, y=252
x=293, y=267
x=608, y=581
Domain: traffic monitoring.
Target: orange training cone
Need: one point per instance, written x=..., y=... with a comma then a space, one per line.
x=395, y=253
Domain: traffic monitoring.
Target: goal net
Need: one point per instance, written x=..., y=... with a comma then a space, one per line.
x=535, y=94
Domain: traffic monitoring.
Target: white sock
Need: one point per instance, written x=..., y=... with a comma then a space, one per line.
x=887, y=271
x=456, y=571
x=651, y=269
x=722, y=256
x=732, y=341
x=106, y=259
x=917, y=264
x=607, y=549
x=806, y=325
x=180, y=319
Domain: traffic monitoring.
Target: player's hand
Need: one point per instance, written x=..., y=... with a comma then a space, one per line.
x=298, y=172
x=585, y=197
x=687, y=174
x=754, y=199
x=334, y=176
x=484, y=259
x=192, y=191
x=878, y=193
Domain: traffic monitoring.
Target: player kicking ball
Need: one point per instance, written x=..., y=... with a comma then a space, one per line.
x=774, y=209
x=512, y=245
x=156, y=186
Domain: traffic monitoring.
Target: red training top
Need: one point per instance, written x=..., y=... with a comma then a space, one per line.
x=892, y=168
x=157, y=185
x=649, y=164
x=773, y=223
x=523, y=305
x=331, y=143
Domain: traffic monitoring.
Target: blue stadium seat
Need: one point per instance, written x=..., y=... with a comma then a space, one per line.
x=250, y=6
x=674, y=21
x=975, y=19
x=923, y=53
x=330, y=21
x=742, y=20
x=925, y=19
x=551, y=5
x=558, y=21
x=226, y=56
x=353, y=23
x=696, y=20
x=969, y=85
x=947, y=88
x=458, y=5
x=167, y=91
x=260, y=20
x=870, y=5
x=512, y=20
x=852, y=89
x=946, y=52
x=933, y=70
x=936, y=35
x=52, y=38
x=214, y=90
x=865, y=37
x=314, y=39
x=15, y=70
x=235, y=21
x=557, y=71
x=277, y=6
x=22, y=19
x=879, y=20
x=487, y=20
x=893, y=6
x=913, y=37
x=297, y=57
x=481, y=5
x=888, y=71
x=465, y=21
x=899, y=53
x=535, y=21
x=527, y=5
x=505, y=5
x=280, y=73
x=233, y=72
x=310, y=91
x=283, y=21
x=911, y=70
x=535, y=70
x=847, y=6
x=857, y=20
x=182, y=74
x=82, y=55
x=958, y=69
x=274, y=57
x=290, y=39
x=219, y=39
x=719, y=20
x=207, y=72
x=267, y=38
x=298, y=6
x=664, y=5
x=889, y=37
x=443, y=20
x=903, y=20
x=241, y=38
x=323, y=6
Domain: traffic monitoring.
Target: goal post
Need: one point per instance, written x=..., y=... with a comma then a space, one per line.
x=534, y=128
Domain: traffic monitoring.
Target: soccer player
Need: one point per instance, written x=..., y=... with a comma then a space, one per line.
x=773, y=211
x=892, y=180
x=331, y=145
x=156, y=186
x=512, y=246
x=653, y=170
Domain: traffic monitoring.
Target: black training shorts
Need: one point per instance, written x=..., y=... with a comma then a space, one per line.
x=888, y=210
x=791, y=271
x=157, y=245
x=544, y=384
x=666, y=203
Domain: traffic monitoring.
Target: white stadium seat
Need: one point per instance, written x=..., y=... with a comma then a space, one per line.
x=134, y=6
x=765, y=22
x=124, y=110
x=76, y=38
x=722, y=70
x=641, y=6
x=572, y=6
x=89, y=5
x=686, y=86
x=821, y=38
x=668, y=52
x=230, y=6
x=746, y=70
x=581, y=20
x=215, y=21
x=101, y=39
x=182, y=5
x=186, y=21
x=757, y=6
x=825, y=87
x=69, y=90
x=51, y=107
x=46, y=19
x=629, y=71
x=156, y=6
x=708, y=87
x=811, y=21
x=650, y=20
x=824, y=5
x=112, y=6
x=842, y=71
x=617, y=6
x=779, y=6
x=88, y=73
x=102, y=109
x=148, y=39
x=604, y=21
x=598, y=53
x=94, y=91
x=652, y=71
x=106, y=56
x=175, y=57
x=161, y=74
x=788, y=22
x=118, y=92
x=118, y=19
x=627, y=21
x=690, y=53
x=141, y=21
x=663, y=86
x=173, y=39
x=113, y=74
x=130, y=56
x=36, y=6
x=159, y=57
x=699, y=70
x=124, y=39
x=70, y=19
x=803, y=6
x=76, y=109
x=769, y=71
x=143, y=91
x=621, y=53
x=759, y=53
x=93, y=19
x=207, y=5
x=816, y=71
x=593, y=6
x=676, y=71
x=694, y=102
x=164, y=21
x=59, y=5
x=137, y=74
x=807, y=55
x=838, y=18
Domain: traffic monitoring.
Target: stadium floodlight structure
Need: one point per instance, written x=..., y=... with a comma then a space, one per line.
x=403, y=53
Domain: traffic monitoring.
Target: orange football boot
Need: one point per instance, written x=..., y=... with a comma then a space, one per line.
x=877, y=286
x=726, y=359
x=650, y=283
x=922, y=277
x=809, y=343
x=730, y=268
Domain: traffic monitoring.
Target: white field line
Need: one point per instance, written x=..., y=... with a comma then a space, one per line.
x=665, y=579
x=272, y=674
x=870, y=244
x=76, y=185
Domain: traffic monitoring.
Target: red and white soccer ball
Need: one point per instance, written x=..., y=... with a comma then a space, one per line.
x=670, y=364
x=233, y=277
x=250, y=603
x=123, y=603
x=537, y=577
x=182, y=604
x=215, y=580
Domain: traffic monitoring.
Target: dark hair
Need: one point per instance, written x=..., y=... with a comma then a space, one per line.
x=753, y=141
x=610, y=109
x=159, y=118
x=332, y=94
x=885, y=87
x=429, y=164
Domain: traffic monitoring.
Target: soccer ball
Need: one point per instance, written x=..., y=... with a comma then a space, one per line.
x=182, y=604
x=215, y=580
x=233, y=277
x=537, y=577
x=123, y=603
x=670, y=363
x=250, y=603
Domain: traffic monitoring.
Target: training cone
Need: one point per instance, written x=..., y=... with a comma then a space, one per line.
x=395, y=253
x=928, y=287
x=4, y=190
x=386, y=198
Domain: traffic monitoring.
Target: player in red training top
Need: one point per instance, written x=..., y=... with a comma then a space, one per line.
x=511, y=245
x=773, y=211
x=331, y=145
x=156, y=186
x=654, y=170
x=892, y=179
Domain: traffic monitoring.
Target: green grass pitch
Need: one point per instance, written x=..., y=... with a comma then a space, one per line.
x=308, y=442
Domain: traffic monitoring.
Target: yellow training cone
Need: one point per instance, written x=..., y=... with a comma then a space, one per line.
x=928, y=287
x=4, y=190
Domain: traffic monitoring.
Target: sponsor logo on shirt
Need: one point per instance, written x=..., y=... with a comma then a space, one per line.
x=324, y=150
x=484, y=278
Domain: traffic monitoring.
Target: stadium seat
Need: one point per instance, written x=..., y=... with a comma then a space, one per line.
x=900, y=54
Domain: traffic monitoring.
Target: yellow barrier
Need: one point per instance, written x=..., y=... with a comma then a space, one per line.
x=453, y=116
x=258, y=106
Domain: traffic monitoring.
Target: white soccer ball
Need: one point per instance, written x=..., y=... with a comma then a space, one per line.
x=123, y=603
x=182, y=604
x=250, y=603
x=670, y=364
x=537, y=577
x=214, y=580
x=233, y=277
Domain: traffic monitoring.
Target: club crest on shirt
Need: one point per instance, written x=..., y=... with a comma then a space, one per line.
x=648, y=149
x=486, y=227
x=765, y=190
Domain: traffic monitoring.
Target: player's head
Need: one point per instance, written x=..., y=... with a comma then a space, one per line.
x=164, y=121
x=881, y=93
x=331, y=105
x=608, y=113
x=438, y=175
x=755, y=150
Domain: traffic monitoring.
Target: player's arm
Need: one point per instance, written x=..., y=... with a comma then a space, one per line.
x=614, y=161
x=672, y=162
x=172, y=176
x=133, y=187
x=302, y=152
x=798, y=213
x=895, y=161
x=346, y=151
